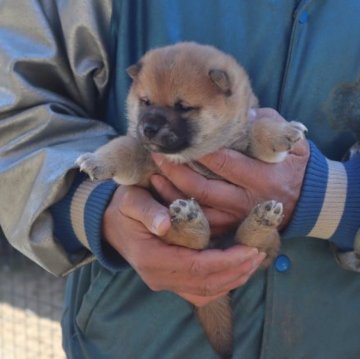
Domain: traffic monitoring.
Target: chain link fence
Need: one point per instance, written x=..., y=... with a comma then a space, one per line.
x=30, y=308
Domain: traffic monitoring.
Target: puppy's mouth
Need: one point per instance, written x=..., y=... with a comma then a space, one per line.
x=162, y=132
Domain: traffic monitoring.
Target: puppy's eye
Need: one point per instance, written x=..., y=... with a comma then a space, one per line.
x=145, y=101
x=181, y=107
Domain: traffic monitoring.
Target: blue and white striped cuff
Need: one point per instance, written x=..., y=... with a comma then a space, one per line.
x=79, y=206
x=329, y=202
x=78, y=220
x=333, y=204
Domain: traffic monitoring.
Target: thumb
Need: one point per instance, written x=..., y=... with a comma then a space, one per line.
x=301, y=148
x=160, y=224
x=138, y=204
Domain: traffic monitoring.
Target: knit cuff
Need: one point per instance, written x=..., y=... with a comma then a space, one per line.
x=329, y=204
x=348, y=227
x=78, y=220
x=63, y=228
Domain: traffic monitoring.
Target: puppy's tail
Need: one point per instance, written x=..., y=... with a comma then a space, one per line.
x=216, y=320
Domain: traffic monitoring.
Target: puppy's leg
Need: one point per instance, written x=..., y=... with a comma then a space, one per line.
x=189, y=226
x=124, y=159
x=271, y=140
x=190, y=229
x=259, y=229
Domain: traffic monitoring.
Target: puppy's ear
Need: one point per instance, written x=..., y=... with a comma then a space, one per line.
x=221, y=80
x=133, y=70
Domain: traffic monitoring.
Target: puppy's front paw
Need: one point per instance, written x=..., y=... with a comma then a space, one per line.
x=94, y=167
x=268, y=213
x=291, y=133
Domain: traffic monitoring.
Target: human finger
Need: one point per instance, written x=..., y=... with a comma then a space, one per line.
x=198, y=300
x=211, y=261
x=138, y=204
x=189, y=269
x=220, y=221
x=170, y=193
x=165, y=189
x=173, y=268
x=236, y=167
x=206, y=191
x=226, y=281
x=220, y=284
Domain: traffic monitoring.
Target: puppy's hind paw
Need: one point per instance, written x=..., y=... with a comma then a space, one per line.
x=95, y=168
x=269, y=213
x=184, y=211
x=189, y=226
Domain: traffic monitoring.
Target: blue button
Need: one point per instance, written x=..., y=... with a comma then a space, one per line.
x=304, y=17
x=282, y=263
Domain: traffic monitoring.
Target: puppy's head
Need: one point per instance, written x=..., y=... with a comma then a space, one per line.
x=187, y=100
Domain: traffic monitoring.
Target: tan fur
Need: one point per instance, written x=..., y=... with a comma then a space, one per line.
x=259, y=229
x=188, y=100
x=196, y=233
x=216, y=320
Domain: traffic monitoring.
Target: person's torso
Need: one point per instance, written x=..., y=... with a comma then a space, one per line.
x=302, y=57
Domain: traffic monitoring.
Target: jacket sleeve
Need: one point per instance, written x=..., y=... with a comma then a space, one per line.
x=329, y=205
x=54, y=71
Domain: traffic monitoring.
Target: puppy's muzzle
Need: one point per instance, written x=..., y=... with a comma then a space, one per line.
x=152, y=126
x=162, y=132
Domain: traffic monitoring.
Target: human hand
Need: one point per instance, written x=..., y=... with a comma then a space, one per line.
x=131, y=225
x=248, y=182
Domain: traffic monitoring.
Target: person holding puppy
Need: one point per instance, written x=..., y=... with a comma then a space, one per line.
x=63, y=92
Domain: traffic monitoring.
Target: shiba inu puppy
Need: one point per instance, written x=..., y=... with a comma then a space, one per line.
x=188, y=100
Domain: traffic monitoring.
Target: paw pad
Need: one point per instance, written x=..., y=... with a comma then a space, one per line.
x=269, y=213
x=184, y=210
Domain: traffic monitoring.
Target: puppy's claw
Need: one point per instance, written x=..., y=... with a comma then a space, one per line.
x=300, y=126
x=93, y=167
x=291, y=133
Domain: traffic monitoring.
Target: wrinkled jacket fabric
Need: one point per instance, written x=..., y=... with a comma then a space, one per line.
x=59, y=98
x=54, y=74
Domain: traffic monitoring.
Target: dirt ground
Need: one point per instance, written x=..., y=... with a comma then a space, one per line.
x=30, y=309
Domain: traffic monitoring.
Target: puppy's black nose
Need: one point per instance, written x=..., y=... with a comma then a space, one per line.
x=152, y=125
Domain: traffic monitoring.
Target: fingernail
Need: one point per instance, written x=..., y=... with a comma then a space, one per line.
x=254, y=252
x=160, y=224
x=250, y=255
x=256, y=261
x=262, y=256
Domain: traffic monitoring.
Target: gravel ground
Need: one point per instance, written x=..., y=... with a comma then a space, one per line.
x=30, y=309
